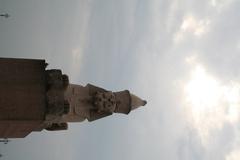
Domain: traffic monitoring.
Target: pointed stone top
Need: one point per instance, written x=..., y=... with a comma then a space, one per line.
x=137, y=102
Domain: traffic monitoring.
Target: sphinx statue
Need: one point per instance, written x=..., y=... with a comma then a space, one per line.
x=88, y=102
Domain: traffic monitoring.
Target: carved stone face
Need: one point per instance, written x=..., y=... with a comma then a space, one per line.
x=105, y=102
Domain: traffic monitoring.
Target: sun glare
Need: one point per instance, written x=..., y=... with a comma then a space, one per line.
x=202, y=91
x=209, y=104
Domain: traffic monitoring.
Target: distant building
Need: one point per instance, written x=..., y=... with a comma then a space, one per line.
x=33, y=98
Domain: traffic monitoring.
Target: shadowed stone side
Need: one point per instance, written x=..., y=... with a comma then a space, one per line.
x=22, y=96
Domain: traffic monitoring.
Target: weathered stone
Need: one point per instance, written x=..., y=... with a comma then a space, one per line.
x=32, y=98
x=57, y=127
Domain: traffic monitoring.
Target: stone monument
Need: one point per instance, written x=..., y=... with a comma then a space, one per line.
x=33, y=98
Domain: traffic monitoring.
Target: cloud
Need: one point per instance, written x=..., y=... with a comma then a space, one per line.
x=210, y=102
x=234, y=155
x=191, y=25
x=221, y=4
x=201, y=35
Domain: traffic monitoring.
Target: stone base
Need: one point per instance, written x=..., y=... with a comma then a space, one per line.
x=22, y=96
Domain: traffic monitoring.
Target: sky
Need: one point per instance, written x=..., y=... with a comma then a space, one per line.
x=181, y=56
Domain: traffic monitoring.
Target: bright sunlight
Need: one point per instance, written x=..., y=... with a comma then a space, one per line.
x=203, y=92
x=209, y=103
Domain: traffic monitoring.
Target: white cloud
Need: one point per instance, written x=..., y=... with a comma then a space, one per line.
x=192, y=25
x=76, y=61
x=210, y=103
x=220, y=4
x=234, y=155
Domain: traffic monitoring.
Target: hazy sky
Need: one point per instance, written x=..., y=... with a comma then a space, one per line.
x=182, y=56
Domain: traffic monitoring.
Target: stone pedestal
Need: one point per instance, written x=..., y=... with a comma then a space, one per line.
x=22, y=96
